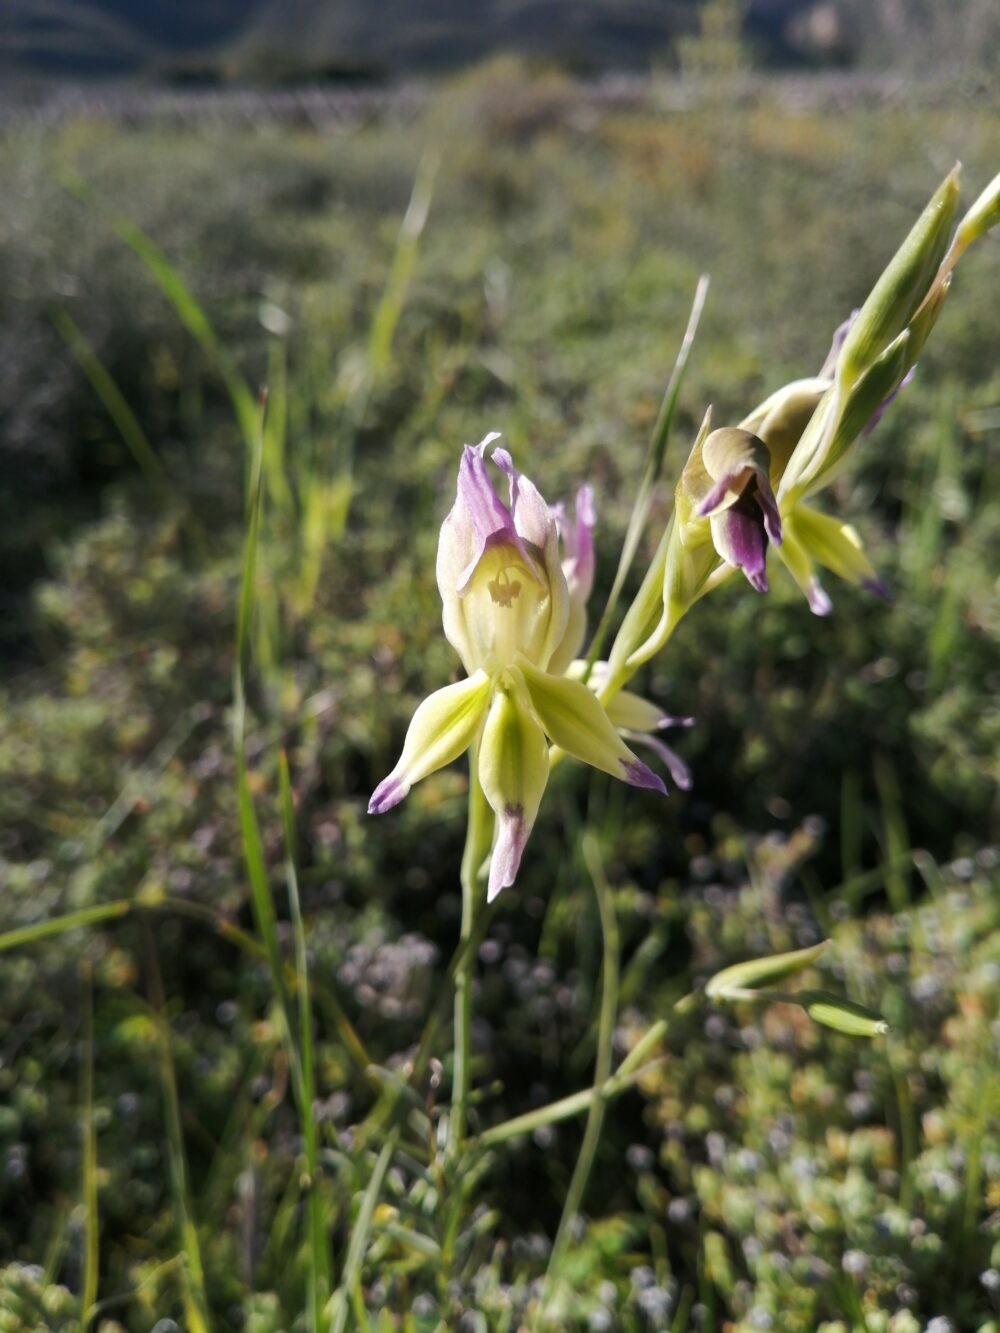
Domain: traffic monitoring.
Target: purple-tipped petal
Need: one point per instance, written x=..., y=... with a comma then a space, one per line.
x=878, y=588
x=840, y=333
x=490, y=518
x=757, y=579
x=389, y=792
x=819, y=602
x=512, y=837
x=769, y=507
x=578, y=541
x=741, y=540
x=669, y=720
x=879, y=412
x=675, y=765
x=533, y=519
x=484, y=509
x=638, y=774
x=730, y=482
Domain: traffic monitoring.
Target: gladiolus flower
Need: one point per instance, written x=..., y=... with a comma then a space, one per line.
x=728, y=479
x=510, y=608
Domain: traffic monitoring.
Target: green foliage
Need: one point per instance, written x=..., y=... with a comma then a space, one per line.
x=845, y=771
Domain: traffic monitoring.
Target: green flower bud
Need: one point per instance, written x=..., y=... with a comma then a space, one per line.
x=902, y=287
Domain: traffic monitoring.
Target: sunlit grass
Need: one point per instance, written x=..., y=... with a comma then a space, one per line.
x=303, y=1180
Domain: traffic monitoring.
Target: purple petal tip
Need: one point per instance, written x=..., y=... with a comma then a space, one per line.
x=637, y=774
x=878, y=588
x=757, y=579
x=389, y=792
x=668, y=720
x=510, y=844
x=819, y=602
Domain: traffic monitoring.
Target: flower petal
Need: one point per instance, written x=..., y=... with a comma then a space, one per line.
x=533, y=519
x=732, y=457
x=575, y=721
x=630, y=712
x=491, y=520
x=578, y=543
x=799, y=564
x=836, y=546
x=513, y=770
x=675, y=765
x=442, y=728
x=740, y=537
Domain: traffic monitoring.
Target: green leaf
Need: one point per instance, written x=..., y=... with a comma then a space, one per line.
x=728, y=983
x=833, y=1011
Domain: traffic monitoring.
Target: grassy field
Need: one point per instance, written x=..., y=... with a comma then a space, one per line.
x=765, y=1173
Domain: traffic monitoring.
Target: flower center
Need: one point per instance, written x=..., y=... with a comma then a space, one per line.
x=504, y=589
x=506, y=608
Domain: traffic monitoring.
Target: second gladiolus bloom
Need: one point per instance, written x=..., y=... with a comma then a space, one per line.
x=514, y=576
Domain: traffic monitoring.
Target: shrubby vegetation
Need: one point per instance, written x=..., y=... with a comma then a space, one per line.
x=766, y=1173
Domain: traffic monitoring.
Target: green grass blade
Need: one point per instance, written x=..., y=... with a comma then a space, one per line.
x=390, y=307
x=194, y=319
x=651, y=470
x=195, y=1299
x=91, y=1218
x=58, y=925
x=896, y=846
x=112, y=398
x=338, y=1307
x=607, y=1017
x=319, y=1252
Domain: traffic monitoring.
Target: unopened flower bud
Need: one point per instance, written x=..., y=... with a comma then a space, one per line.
x=902, y=287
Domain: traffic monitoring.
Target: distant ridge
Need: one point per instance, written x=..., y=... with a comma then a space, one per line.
x=288, y=40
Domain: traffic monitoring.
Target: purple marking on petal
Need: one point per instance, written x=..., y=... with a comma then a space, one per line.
x=638, y=774
x=741, y=540
x=879, y=412
x=717, y=494
x=819, y=602
x=757, y=580
x=876, y=586
x=840, y=333
x=487, y=512
x=668, y=720
x=505, y=862
x=389, y=792
x=676, y=767
x=769, y=507
x=533, y=518
x=491, y=520
x=581, y=546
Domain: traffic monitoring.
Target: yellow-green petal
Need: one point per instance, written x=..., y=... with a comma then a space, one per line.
x=833, y=544
x=442, y=728
x=575, y=721
x=513, y=771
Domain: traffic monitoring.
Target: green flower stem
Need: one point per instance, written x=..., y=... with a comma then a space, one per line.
x=650, y=472
x=631, y=1071
x=605, y=1038
x=478, y=839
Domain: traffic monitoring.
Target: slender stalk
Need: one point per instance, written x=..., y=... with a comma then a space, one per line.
x=566, y=1107
x=319, y=1253
x=195, y=1299
x=650, y=472
x=602, y=1067
x=339, y=1304
x=479, y=832
x=91, y=1232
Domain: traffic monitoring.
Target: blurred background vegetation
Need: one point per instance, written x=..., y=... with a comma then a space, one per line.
x=155, y=268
